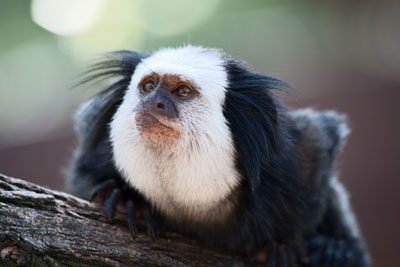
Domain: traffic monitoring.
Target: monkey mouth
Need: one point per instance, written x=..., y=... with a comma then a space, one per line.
x=156, y=128
x=149, y=119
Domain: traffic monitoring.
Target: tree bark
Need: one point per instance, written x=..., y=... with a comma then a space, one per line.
x=43, y=227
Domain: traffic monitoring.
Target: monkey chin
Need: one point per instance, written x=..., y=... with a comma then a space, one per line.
x=157, y=130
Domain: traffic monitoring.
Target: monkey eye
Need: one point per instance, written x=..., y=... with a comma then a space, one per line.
x=148, y=87
x=184, y=91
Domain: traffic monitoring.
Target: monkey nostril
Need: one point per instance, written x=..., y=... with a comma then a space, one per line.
x=160, y=105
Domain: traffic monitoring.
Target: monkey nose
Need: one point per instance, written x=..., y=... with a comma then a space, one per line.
x=163, y=106
x=160, y=105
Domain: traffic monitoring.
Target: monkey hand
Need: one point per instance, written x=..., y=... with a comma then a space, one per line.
x=277, y=254
x=330, y=251
x=112, y=193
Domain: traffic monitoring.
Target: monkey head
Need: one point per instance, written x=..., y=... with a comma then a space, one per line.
x=175, y=98
x=170, y=135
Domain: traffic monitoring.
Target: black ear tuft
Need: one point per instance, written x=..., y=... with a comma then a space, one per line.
x=94, y=118
x=253, y=115
x=120, y=63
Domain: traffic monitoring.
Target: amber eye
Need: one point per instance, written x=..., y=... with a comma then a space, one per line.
x=148, y=87
x=184, y=91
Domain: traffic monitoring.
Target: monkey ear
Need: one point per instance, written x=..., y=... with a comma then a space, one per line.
x=253, y=115
x=94, y=116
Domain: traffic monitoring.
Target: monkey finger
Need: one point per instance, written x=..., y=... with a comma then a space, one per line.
x=272, y=256
x=282, y=256
x=101, y=188
x=111, y=203
x=131, y=217
x=149, y=222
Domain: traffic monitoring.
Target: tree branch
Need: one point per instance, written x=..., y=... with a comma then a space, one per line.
x=43, y=227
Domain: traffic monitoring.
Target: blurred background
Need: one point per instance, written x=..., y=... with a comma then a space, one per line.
x=342, y=55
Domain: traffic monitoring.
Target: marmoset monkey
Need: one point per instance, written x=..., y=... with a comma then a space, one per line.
x=194, y=139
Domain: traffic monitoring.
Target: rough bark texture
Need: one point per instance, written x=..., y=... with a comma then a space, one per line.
x=42, y=227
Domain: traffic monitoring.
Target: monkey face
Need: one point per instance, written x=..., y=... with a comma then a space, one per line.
x=157, y=116
x=175, y=98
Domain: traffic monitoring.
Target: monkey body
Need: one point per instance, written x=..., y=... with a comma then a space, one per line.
x=200, y=139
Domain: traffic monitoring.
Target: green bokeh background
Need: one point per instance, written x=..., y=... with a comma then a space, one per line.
x=297, y=41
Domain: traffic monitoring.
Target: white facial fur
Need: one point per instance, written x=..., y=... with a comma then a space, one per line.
x=192, y=178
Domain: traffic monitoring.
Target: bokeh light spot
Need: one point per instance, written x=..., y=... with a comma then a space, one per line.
x=66, y=17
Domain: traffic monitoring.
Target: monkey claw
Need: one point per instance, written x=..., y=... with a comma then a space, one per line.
x=117, y=196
